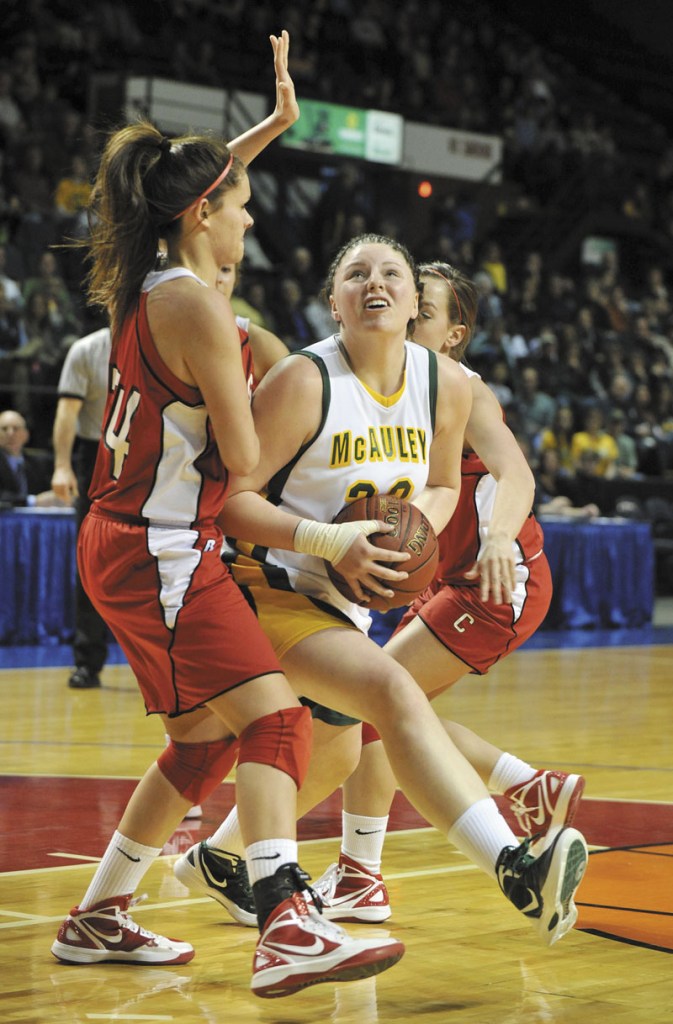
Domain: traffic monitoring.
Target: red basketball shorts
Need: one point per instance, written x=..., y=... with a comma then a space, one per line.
x=481, y=633
x=183, y=624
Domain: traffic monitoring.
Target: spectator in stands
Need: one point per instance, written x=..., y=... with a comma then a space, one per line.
x=37, y=363
x=12, y=124
x=24, y=475
x=618, y=394
x=493, y=263
x=49, y=282
x=577, y=380
x=595, y=442
x=11, y=288
x=12, y=329
x=625, y=466
x=301, y=267
x=545, y=348
x=243, y=302
x=500, y=382
x=558, y=437
x=647, y=432
x=586, y=330
x=73, y=190
x=550, y=499
x=30, y=182
x=292, y=324
x=536, y=409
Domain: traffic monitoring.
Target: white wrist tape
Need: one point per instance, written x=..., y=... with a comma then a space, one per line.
x=330, y=541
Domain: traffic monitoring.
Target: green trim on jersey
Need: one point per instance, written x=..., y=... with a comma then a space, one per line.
x=277, y=482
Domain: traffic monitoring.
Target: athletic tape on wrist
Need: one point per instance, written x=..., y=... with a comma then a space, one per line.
x=330, y=541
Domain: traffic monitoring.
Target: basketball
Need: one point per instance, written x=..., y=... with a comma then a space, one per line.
x=413, y=533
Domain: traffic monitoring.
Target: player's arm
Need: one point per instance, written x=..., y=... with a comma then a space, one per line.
x=267, y=349
x=251, y=143
x=64, y=481
x=196, y=334
x=498, y=449
x=454, y=400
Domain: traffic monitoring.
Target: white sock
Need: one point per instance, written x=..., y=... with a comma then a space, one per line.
x=265, y=857
x=228, y=836
x=119, y=873
x=363, y=839
x=509, y=771
x=480, y=833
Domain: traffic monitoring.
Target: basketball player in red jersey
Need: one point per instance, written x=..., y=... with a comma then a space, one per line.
x=177, y=423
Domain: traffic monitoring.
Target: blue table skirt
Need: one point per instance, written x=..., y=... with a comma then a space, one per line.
x=37, y=574
x=603, y=575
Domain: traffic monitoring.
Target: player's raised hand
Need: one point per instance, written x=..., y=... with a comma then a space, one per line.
x=287, y=108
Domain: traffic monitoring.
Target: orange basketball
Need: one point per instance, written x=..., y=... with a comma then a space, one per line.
x=413, y=533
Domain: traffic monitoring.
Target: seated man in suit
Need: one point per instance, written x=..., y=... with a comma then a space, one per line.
x=24, y=476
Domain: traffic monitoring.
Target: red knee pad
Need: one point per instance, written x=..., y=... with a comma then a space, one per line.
x=196, y=769
x=369, y=734
x=282, y=740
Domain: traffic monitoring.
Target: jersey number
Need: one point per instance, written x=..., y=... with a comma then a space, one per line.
x=123, y=411
x=402, y=488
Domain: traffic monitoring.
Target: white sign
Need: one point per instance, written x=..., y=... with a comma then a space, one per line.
x=452, y=153
x=180, y=108
x=383, y=137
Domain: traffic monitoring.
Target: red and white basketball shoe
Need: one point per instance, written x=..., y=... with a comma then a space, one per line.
x=106, y=932
x=548, y=800
x=348, y=892
x=298, y=948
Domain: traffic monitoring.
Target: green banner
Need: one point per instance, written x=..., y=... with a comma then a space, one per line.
x=346, y=131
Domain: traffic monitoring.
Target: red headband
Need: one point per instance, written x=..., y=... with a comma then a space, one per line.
x=431, y=270
x=218, y=181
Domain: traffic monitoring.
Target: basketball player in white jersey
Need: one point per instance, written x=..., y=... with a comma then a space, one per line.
x=337, y=421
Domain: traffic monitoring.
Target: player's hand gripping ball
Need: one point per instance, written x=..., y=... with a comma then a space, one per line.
x=413, y=533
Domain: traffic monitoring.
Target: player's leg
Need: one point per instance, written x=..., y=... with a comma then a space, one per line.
x=216, y=866
x=453, y=634
x=457, y=803
x=256, y=705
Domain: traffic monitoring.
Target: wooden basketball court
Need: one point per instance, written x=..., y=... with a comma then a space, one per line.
x=68, y=761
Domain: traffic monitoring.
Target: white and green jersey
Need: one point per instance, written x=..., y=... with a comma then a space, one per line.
x=365, y=444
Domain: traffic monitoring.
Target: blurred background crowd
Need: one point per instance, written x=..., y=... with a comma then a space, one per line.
x=571, y=249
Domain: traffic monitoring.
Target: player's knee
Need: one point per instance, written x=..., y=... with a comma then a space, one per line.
x=281, y=740
x=196, y=769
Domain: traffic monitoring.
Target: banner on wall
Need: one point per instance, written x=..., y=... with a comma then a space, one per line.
x=452, y=153
x=337, y=130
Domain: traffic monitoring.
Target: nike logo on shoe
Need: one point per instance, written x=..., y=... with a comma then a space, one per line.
x=136, y=860
x=316, y=948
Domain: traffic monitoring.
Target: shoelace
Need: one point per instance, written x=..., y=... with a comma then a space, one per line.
x=126, y=921
x=301, y=878
x=327, y=884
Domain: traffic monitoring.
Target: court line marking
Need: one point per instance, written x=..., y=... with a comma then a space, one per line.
x=445, y=869
x=128, y=1016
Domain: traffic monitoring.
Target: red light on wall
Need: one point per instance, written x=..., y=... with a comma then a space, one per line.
x=424, y=189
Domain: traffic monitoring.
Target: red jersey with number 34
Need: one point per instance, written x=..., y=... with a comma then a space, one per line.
x=157, y=459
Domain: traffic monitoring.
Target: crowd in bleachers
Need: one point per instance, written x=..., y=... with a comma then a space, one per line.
x=566, y=349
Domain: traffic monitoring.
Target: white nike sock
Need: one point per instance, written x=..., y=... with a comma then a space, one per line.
x=480, y=833
x=228, y=836
x=509, y=771
x=265, y=857
x=363, y=839
x=123, y=865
